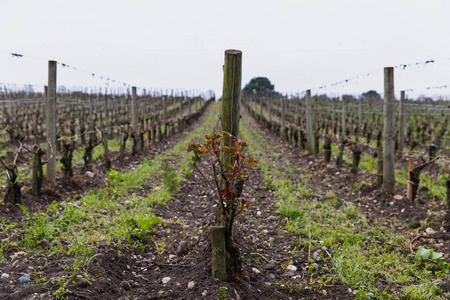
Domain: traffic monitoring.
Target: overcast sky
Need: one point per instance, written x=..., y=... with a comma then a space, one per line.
x=180, y=44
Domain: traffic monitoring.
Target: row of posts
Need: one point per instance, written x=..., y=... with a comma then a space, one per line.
x=50, y=115
x=389, y=134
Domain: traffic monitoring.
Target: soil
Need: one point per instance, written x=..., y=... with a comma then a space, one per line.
x=179, y=247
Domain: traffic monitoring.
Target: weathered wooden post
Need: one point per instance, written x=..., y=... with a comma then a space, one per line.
x=409, y=186
x=401, y=128
x=389, y=132
x=360, y=120
x=340, y=158
x=309, y=123
x=230, y=118
x=333, y=115
x=106, y=159
x=134, y=121
x=50, y=118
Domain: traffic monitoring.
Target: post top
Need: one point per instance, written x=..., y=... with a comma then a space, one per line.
x=233, y=51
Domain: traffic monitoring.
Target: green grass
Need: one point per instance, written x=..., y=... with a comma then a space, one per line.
x=360, y=253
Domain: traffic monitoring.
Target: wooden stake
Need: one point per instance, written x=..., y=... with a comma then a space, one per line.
x=401, y=129
x=309, y=122
x=219, y=263
x=388, y=132
x=51, y=118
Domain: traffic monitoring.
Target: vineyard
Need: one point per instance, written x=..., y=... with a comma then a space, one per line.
x=152, y=195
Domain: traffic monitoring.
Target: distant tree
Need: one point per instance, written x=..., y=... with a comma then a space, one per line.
x=258, y=85
x=371, y=95
x=348, y=97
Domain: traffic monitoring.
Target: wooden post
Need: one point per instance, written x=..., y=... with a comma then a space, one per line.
x=315, y=127
x=50, y=119
x=360, y=121
x=231, y=100
x=230, y=119
x=333, y=115
x=134, y=110
x=219, y=263
x=340, y=158
x=409, y=186
x=344, y=118
x=380, y=167
x=401, y=129
x=106, y=159
x=309, y=122
x=389, y=132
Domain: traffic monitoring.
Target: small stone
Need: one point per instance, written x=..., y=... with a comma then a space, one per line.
x=191, y=285
x=179, y=286
x=258, y=213
x=44, y=244
x=267, y=284
x=288, y=274
x=350, y=290
x=272, y=218
x=127, y=202
x=403, y=210
x=292, y=268
x=24, y=279
x=323, y=292
x=204, y=293
x=126, y=285
x=5, y=276
x=429, y=230
x=82, y=284
x=90, y=174
x=270, y=276
x=183, y=248
x=171, y=257
x=315, y=256
x=166, y=280
x=256, y=271
x=269, y=267
x=20, y=253
x=398, y=197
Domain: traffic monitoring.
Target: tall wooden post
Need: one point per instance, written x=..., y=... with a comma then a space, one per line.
x=389, y=132
x=50, y=119
x=231, y=97
x=340, y=158
x=230, y=118
x=401, y=129
x=134, y=110
x=360, y=120
x=309, y=122
x=106, y=159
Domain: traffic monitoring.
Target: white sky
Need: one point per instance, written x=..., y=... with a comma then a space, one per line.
x=180, y=44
